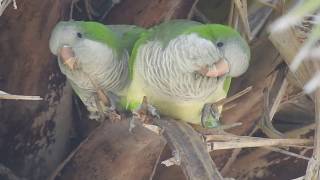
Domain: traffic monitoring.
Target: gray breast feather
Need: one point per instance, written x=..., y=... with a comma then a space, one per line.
x=102, y=65
x=161, y=70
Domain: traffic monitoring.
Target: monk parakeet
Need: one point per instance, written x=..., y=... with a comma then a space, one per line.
x=182, y=66
x=94, y=58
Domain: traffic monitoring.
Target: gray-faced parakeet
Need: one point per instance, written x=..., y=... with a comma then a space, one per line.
x=180, y=66
x=94, y=58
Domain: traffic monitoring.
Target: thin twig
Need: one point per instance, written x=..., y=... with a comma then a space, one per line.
x=282, y=84
x=230, y=161
x=282, y=151
x=192, y=10
x=241, y=6
x=4, y=95
x=4, y=4
x=296, y=133
x=292, y=98
x=246, y=142
x=88, y=7
x=231, y=14
x=73, y=4
x=8, y=174
x=108, y=10
x=268, y=4
x=265, y=123
x=299, y=178
x=259, y=18
x=232, y=98
x=312, y=172
x=199, y=14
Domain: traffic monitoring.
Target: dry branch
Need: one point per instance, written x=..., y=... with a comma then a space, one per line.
x=314, y=163
x=135, y=154
x=8, y=174
x=282, y=151
x=4, y=4
x=233, y=97
x=190, y=151
x=265, y=123
x=265, y=160
x=241, y=6
x=4, y=95
x=233, y=142
x=284, y=39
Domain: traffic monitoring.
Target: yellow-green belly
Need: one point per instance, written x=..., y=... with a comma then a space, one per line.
x=189, y=111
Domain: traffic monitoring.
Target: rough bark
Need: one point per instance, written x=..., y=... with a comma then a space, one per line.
x=149, y=12
x=189, y=149
x=34, y=136
x=288, y=38
x=112, y=152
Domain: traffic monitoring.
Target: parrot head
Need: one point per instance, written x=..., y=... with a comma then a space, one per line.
x=229, y=53
x=68, y=34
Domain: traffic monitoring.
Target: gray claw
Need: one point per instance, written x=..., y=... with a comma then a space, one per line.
x=214, y=111
x=132, y=124
x=153, y=111
x=113, y=101
x=210, y=116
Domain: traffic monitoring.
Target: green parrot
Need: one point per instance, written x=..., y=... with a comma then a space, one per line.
x=182, y=67
x=94, y=57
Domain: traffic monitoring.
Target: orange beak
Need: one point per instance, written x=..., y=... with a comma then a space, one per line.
x=220, y=68
x=67, y=57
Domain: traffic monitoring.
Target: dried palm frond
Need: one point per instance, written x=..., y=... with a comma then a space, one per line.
x=4, y=4
x=304, y=19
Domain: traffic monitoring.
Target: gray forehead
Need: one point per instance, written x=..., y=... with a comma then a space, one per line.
x=235, y=42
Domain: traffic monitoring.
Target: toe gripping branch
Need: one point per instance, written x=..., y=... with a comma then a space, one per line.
x=146, y=113
x=103, y=101
x=211, y=109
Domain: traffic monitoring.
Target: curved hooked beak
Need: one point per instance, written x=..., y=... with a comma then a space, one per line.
x=218, y=69
x=67, y=57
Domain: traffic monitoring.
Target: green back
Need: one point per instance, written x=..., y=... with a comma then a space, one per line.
x=118, y=37
x=128, y=34
x=99, y=32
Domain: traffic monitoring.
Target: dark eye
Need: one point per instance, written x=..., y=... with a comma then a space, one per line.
x=220, y=44
x=79, y=35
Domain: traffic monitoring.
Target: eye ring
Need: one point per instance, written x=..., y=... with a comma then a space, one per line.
x=79, y=35
x=220, y=44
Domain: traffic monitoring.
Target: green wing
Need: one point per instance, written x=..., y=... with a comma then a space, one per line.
x=128, y=34
x=99, y=32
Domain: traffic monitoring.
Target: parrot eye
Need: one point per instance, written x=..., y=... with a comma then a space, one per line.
x=220, y=44
x=79, y=35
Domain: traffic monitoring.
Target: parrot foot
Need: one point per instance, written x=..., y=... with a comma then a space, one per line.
x=104, y=110
x=94, y=115
x=132, y=124
x=114, y=116
x=210, y=116
x=146, y=112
